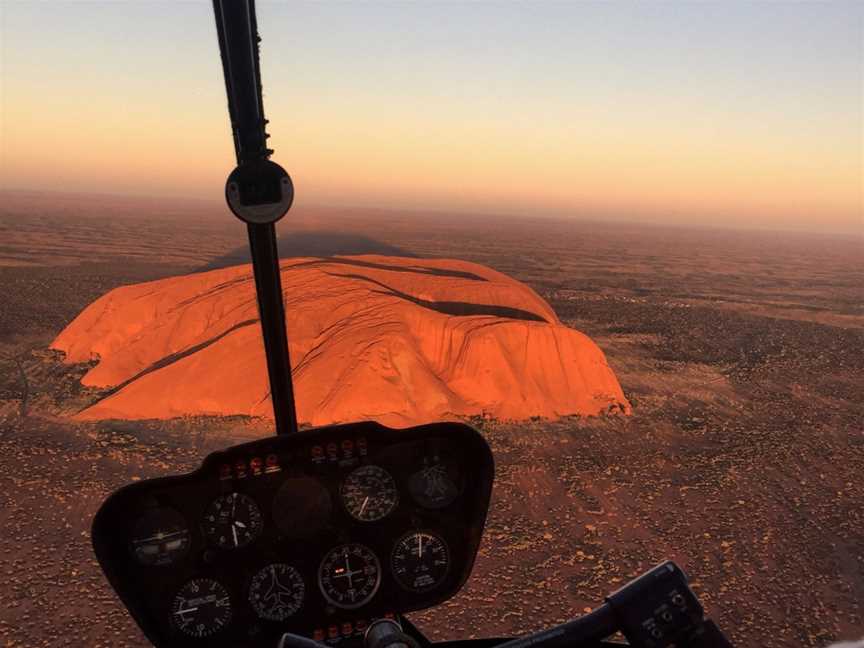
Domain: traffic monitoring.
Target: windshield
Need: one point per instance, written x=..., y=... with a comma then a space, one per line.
x=622, y=241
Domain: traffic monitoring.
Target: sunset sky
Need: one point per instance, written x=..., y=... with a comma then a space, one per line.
x=721, y=114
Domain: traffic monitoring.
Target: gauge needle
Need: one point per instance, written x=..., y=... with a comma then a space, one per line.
x=363, y=507
x=234, y=531
x=186, y=611
x=349, y=573
x=159, y=536
x=420, y=545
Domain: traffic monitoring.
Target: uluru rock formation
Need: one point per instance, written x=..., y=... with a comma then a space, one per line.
x=398, y=340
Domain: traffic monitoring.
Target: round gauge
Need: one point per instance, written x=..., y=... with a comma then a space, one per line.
x=349, y=576
x=369, y=493
x=301, y=507
x=276, y=592
x=420, y=561
x=201, y=608
x=232, y=521
x=433, y=486
x=160, y=537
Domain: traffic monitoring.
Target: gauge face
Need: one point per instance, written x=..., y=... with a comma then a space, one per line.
x=232, y=521
x=160, y=537
x=201, y=608
x=349, y=576
x=433, y=486
x=276, y=592
x=420, y=561
x=369, y=493
x=302, y=507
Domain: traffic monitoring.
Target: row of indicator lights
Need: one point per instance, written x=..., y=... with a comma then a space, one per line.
x=347, y=629
x=336, y=451
x=255, y=467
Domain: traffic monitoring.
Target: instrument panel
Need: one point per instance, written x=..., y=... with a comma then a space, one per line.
x=316, y=533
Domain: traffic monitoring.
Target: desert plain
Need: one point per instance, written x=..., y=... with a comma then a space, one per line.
x=740, y=352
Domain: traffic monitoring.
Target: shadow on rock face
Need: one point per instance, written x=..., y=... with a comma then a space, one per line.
x=313, y=244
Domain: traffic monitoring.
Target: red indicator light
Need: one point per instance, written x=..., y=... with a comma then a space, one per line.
x=317, y=451
x=255, y=465
x=318, y=634
x=333, y=631
x=347, y=628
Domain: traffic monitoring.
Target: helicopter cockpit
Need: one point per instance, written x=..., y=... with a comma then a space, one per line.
x=318, y=533
x=329, y=535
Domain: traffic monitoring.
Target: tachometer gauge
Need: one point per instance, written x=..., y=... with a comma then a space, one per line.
x=232, y=521
x=276, y=592
x=160, y=537
x=432, y=486
x=349, y=576
x=369, y=493
x=420, y=561
x=201, y=608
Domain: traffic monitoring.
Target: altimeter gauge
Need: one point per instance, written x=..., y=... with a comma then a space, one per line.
x=201, y=608
x=232, y=521
x=276, y=592
x=160, y=537
x=349, y=575
x=420, y=561
x=369, y=493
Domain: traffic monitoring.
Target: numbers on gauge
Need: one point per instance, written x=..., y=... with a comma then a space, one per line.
x=276, y=592
x=369, y=493
x=160, y=537
x=349, y=575
x=201, y=608
x=420, y=561
x=232, y=521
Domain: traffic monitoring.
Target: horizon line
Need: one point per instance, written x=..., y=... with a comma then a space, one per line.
x=658, y=222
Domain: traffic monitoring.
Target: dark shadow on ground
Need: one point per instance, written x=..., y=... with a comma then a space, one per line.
x=313, y=244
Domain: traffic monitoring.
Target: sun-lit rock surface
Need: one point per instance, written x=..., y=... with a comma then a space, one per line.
x=394, y=339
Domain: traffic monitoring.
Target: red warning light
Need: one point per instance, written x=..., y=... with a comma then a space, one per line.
x=347, y=629
x=240, y=468
x=317, y=451
x=272, y=462
x=318, y=634
x=333, y=631
x=256, y=465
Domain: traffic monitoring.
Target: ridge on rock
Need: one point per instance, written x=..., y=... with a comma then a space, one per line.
x=398, y=340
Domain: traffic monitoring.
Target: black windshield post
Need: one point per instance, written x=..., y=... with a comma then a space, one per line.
x=237, y=30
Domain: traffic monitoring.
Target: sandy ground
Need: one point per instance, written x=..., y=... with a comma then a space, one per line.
x=742, y=354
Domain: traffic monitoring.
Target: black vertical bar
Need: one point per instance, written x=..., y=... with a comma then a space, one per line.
x=237, y=30
x=268, y=285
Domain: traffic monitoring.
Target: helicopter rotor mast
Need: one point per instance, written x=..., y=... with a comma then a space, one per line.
x=258, y=191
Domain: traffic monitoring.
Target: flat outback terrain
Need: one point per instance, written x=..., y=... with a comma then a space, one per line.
x=741, y=353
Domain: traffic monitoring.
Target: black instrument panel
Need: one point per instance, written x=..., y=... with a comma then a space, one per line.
x=316, y=533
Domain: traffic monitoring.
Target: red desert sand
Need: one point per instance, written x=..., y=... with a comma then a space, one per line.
x=398, y=340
